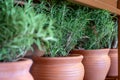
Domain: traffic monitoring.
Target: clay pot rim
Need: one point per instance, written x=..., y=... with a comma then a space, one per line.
x=20, y=61
x=92, y=49
x=114, y=49
x=72, y=56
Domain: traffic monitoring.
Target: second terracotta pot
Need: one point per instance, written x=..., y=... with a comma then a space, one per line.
x=113, y=72
x=96, y=63
x=58, y=68
x=16, y=70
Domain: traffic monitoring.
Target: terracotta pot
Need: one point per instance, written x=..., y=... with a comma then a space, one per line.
x=58, y=68
x=96, y=63
x=114, y=62
x=16, y=70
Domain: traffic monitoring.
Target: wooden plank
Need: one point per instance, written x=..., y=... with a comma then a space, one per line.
x=98, y=4
x=119, y=40
x=110, y=2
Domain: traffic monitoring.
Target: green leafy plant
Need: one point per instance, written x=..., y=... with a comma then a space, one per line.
x=69, y=24
x=99, y=30
x=113, y=40
x=20, y=27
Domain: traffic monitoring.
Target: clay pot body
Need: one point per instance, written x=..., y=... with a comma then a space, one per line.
x=96, y=63
x=16, y=70
x=58, y=68
x=113, y=71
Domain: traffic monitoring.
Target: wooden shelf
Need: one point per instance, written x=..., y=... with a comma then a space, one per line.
x=110, y=2
x=99, y=4
x=118, y=39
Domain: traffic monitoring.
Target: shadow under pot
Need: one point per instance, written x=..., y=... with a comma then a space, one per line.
x=16, y=70
x=58, y=68
x=96, y=63
x=113, y=71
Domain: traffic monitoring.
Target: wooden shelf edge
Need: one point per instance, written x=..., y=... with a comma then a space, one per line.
x=118, y=40
x=98, y=4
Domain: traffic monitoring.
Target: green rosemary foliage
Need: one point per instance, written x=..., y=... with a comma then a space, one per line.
x=20, y=27
x=99, y=30
x=69, y=27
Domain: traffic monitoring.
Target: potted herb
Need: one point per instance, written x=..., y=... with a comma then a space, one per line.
x=57, y=63
x=113, y=45
x=96, y=60
x=20, y=27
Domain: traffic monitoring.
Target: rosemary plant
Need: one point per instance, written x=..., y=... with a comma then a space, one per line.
x=113, y=38
x=69, y=25
x=20, y=27
x=99, y=30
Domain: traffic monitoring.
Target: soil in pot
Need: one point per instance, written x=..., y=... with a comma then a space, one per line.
x=113, y=71
x=16, y=70
x=58, y=68
x=96, y=63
